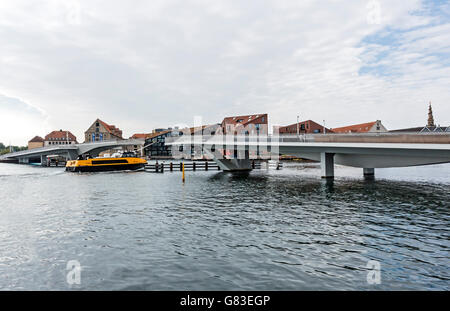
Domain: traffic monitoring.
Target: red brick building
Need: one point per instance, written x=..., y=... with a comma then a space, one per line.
x=256, y=124
x=36, y=142
x=60, y=138
x=304, y=127
x=101, y=131
x=369, y=127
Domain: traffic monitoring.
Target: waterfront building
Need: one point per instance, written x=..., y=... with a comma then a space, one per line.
x=140, y=136
x=101, y=131
x=423, y=129
x=370, y=127
x=36, y=142
x=60, y=138
x=256, y=124
x=304, y=127
x=155, y=142
x=197, y=152
x=436, y=129
x=430, y=127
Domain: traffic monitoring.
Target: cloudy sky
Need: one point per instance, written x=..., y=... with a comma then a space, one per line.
x=146, y=64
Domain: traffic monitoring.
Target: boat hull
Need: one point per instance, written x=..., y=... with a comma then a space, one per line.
x=106, y=164
x=106, y=168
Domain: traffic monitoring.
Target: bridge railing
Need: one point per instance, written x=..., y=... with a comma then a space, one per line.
x=426, y=137
x=52, y=148
x=59, y=148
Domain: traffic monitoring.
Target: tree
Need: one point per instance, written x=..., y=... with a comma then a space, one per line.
x=6, y=149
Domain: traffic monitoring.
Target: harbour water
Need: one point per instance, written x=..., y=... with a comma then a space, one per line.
x=266, y=230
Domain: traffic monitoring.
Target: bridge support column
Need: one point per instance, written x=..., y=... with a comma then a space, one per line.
x=327, y=164
x=43, y=160
x=234, y=164
x=369, y=172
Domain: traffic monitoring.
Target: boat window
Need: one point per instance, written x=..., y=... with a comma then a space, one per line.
x=108, y=161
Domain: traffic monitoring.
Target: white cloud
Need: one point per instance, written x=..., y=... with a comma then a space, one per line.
x=154, y=64
x=18, y=119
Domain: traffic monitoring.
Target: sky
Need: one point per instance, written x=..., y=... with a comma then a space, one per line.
x=142, y=65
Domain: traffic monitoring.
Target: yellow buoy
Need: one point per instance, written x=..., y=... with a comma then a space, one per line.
x=182, y=169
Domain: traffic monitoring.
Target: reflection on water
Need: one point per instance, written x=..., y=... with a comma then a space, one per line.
x=270, y=230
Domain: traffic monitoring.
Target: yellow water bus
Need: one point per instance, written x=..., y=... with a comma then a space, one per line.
x=127, y=161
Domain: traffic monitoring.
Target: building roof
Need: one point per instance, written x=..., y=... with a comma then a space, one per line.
x=60, y=135
x=408, y=130
x=112, y=129
x=287, y=127
x=153, y=135
x=140, y=136
x=194, y=130
x=435, y=129
x=244, y=119
x=37, y=139
x=356, y=128
x=422, y=129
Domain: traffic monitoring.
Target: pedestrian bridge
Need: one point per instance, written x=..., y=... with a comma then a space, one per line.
x=372, y=151
x=70, y=152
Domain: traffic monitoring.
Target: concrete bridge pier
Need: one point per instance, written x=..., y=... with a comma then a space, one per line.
x=369, y=172
x=43, y=160
x=234, y=164
x=327, y=164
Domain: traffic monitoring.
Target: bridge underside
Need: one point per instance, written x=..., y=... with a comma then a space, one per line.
x=366, y=158
x=70, y=152
x=366, y=161
x=374, y=161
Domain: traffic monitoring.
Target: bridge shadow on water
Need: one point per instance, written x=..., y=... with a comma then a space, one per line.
x=369, y=190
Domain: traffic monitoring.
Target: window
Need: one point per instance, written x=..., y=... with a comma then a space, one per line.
x=97, y=124
x=109, y=161
x=262, y=119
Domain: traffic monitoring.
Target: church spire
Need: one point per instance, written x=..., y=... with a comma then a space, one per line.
x=430, y=117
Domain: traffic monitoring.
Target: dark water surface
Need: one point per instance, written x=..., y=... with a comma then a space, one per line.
x=267, y=230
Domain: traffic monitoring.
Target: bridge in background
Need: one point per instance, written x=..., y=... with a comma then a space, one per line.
x=70, y=152
x=364, y=151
